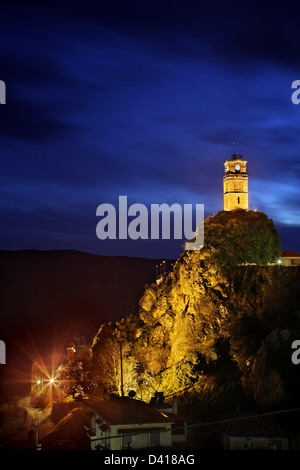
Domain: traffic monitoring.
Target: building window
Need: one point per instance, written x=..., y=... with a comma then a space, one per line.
x=154, y=437
x=238, y=199
x=177, y=429
x=295, y=262
x=248, y=444
x=126, y=441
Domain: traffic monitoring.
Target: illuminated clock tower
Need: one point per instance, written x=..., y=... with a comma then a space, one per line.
x=235, y=184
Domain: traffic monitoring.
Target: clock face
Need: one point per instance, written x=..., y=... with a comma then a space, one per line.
x=237, y=167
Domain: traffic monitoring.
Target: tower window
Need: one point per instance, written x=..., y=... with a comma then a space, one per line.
x=238, y=199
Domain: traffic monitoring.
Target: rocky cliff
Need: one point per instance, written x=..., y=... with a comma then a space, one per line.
x=213, y=320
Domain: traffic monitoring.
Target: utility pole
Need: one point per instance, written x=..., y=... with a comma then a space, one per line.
x=121, y=359
x=37, y=437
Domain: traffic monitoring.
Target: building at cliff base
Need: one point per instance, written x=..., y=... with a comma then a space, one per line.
x=290, y=258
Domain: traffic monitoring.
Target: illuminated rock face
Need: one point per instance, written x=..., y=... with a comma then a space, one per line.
x=221, y=302
x=235, y=184
x=186, y=311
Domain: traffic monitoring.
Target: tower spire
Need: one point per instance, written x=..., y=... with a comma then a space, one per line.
x=235, y=155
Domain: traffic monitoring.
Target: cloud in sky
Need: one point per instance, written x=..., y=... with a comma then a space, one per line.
x=142, y=99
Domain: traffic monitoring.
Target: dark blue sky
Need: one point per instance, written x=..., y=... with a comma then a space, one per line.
x=144, y=99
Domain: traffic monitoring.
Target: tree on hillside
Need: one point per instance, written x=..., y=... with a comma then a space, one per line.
x=239, y=237
x=76, y=377
x=113, y=365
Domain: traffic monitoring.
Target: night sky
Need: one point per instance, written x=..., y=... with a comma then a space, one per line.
x=144, y=99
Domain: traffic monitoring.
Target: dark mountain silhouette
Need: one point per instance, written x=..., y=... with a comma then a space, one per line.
x=49, y=297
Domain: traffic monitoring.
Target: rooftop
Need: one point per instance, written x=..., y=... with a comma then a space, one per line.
x=290, y=254
x=113, y=411
x=125, y=410
x=72, y=426
x=237, y=157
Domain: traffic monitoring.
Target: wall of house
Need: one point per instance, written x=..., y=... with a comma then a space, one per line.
x=255, y=443
x=291, y=261
x=139, y=441
x=180, y=436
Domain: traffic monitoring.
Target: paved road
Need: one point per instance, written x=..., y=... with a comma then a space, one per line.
x=37, y=417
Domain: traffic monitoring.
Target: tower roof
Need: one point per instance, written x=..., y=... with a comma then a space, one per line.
x=235, y=156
